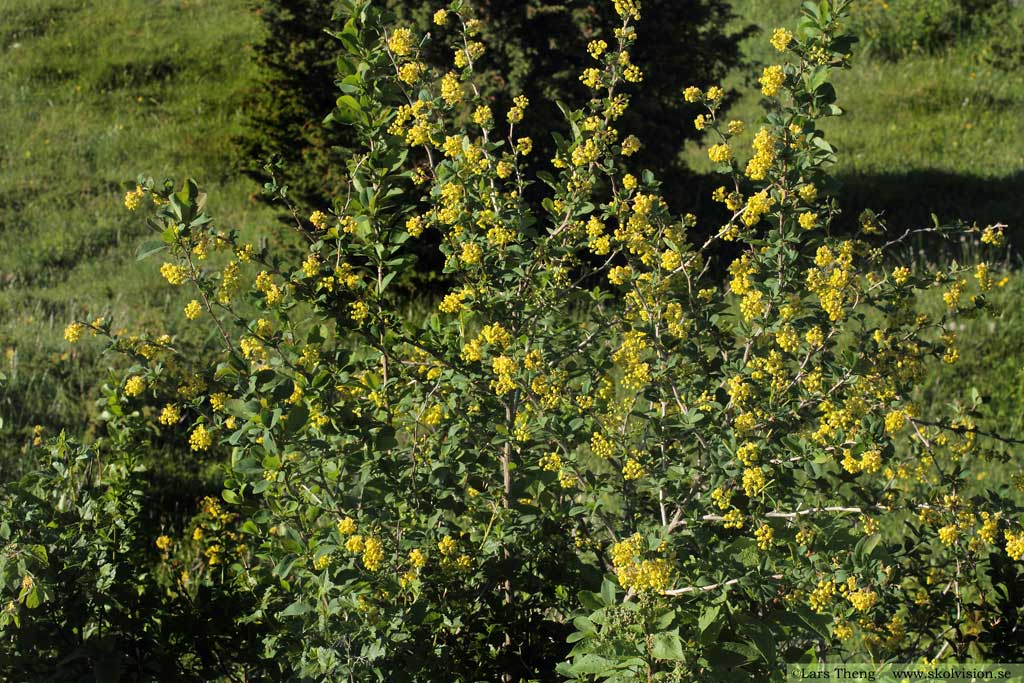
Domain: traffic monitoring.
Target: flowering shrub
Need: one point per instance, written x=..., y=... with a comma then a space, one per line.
x=592, y=440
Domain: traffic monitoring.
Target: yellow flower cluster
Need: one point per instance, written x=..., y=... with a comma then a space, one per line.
x=517, y=112
x=771, y=80
x=993, y=235
x=265, y=284
x=758, y=205
x=193, y=310
x=200, y=439
x=552, y=462
x=133, y=199
x=733, y=519
x=73, y=332
x=504, y=368
x=319, y=220
x=173, y=273
x=1015, y=544
x=720, y=153
x=631, y=357
x=373, y=553
x=863, y=599
x=163, y=543
x=822, y=596
x=633, y=469
x=134, y=386
x=764, y=155
x=754, y=481
x=639, y=574
x=628, y=9
x=228, y=282
x=601, y=446
x=170, y=415
x=411, y=72
x=401, y=41
x=765, y=537
x=781, y=38
x=451, y=89
x=831, y=278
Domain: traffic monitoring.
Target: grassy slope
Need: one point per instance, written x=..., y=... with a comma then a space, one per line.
x=930, y=133
x=93, y=93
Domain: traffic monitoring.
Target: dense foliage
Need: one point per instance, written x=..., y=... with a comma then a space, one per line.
x=536, y=48
x=595, y=460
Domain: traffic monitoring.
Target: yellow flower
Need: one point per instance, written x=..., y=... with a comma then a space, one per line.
x=441, y=17
x=200, y=440
x=73, y=332
x=359, y=311
x=482, y=116
x=163, y=543
x=174, y=274
x=863, y=599
x=354, y=544
x=692, y=94
x=318, y=219
x=780, y=39
x=808, y=192
x=400, y=42
x=633, y=470
x=772, y=79
x=451, y=89
x=765, y=537
x=411, y=72
x=471, y=253
x=133, y=199
x=193, y=310
x=373, y=554
x=720, y=154
x=446, y=546
x=1014, y=544
x=628, y=9
x=170, y=415
x=134, y=386
x=949, y=534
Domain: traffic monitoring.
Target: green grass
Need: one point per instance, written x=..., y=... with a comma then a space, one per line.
x=95, y=92
x=929, y=133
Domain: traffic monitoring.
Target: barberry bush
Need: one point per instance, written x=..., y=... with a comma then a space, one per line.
x=595, y=459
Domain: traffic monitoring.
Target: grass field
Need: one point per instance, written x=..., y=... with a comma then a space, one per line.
x=930, y=133
x=95, y=92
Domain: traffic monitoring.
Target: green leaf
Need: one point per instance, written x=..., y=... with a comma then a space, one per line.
x=148, y=248
x=591, y=664
x=864, y=547
x=667, y=645
x=707, y=617
x=297, y=418
x=608, y=592
x=230, y=496
x=297, y=608
x=284, y=567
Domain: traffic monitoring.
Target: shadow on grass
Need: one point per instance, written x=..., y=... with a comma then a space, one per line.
x=908, y=200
